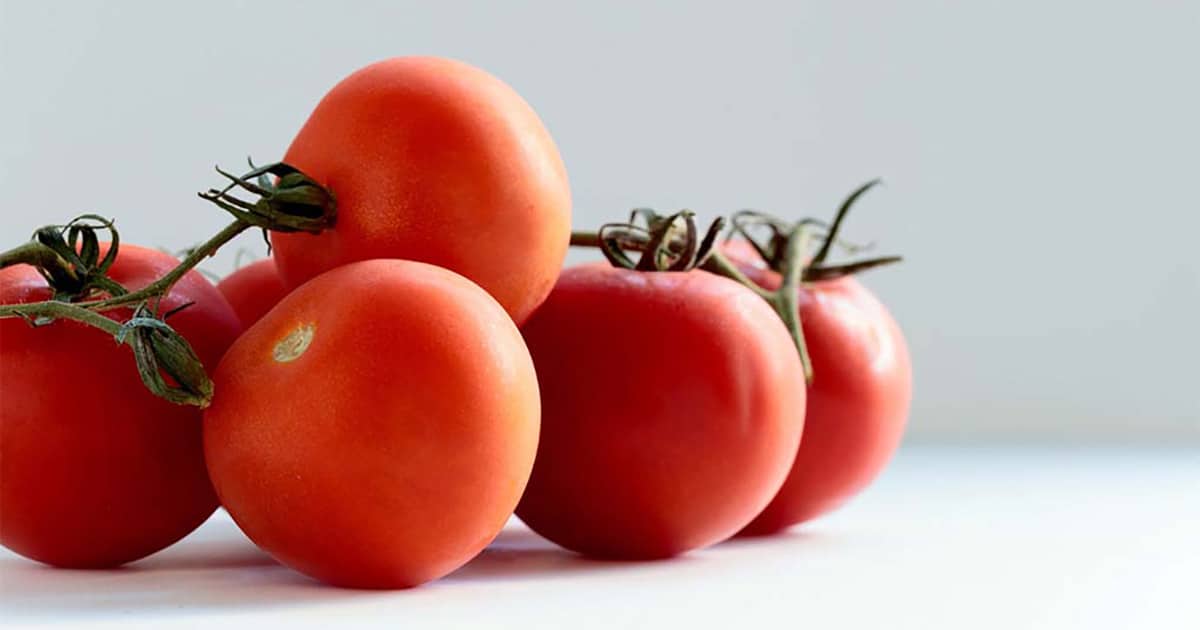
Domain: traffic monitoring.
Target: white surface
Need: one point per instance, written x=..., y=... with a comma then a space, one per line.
x=949, y=538
x=1039, y=157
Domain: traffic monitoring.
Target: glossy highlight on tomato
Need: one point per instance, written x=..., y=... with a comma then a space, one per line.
x=377, y=427
x=95, y=471
x=437, y=161
x=670, y=415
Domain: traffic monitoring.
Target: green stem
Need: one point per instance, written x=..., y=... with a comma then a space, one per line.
x=62, y=310
x=584, y=238
x=831, y=236
x=786, y=298
x=38, y=255
x=33, y=253
x=163, y=285
x=831, y=272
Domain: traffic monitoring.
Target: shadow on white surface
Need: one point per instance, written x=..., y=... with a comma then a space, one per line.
x=519, y=553
x=217, y=568
x=214, y=568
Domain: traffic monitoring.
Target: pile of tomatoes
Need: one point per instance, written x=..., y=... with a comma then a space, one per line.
x=386, y=393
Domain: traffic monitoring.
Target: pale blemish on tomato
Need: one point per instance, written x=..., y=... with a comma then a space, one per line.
x=294, y=344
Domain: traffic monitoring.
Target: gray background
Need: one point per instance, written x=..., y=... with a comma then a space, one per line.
x=1040, y=157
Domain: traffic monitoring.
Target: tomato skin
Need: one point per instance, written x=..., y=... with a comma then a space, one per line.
x=95, y=471
x=396, y=445
x=437, y=161
x=253, y=290
x=669, y=420
x=858, y=400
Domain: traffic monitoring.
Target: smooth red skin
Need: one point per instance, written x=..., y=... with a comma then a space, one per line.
x=396, y=446
x=253, y=290
x=95, y=471
x=435, y=160
x=669, y=415
x=857, y=403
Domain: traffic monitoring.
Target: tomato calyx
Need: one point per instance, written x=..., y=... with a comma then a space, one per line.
x=772, y=249
x=68, y=257
x=672, y=243
x=667, y=243
x=291, y=202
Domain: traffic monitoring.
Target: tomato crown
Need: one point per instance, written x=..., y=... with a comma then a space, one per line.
x=773, y=249
x=292, y=202
x=673, y=243
x=668, y=243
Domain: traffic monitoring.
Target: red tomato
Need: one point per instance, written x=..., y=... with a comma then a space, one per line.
x=95, y=471
x=377, y=427
x=858, y=400
x=437, y=161
x=253, y=290
x=670, y=415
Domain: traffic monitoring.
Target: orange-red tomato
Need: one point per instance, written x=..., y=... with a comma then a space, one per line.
x=437, y=161
x=95, y=471
x=376, y=428
x=253, y=290
x=857, y=402
x=670, y=412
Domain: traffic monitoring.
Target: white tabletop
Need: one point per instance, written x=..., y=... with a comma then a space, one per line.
x=958, y=537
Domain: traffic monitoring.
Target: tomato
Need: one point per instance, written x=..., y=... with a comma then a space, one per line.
x=95, y=471
x=377, y=427
x=670, y=415
x=252, y=290
x=436, y=161
x=857, y=402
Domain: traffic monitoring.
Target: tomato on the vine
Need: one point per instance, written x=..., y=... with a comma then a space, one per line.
x=95, y=471
x=376, y=428
x=437, y=161
x=670, y=414
x=858, y=399
x=253, y=290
